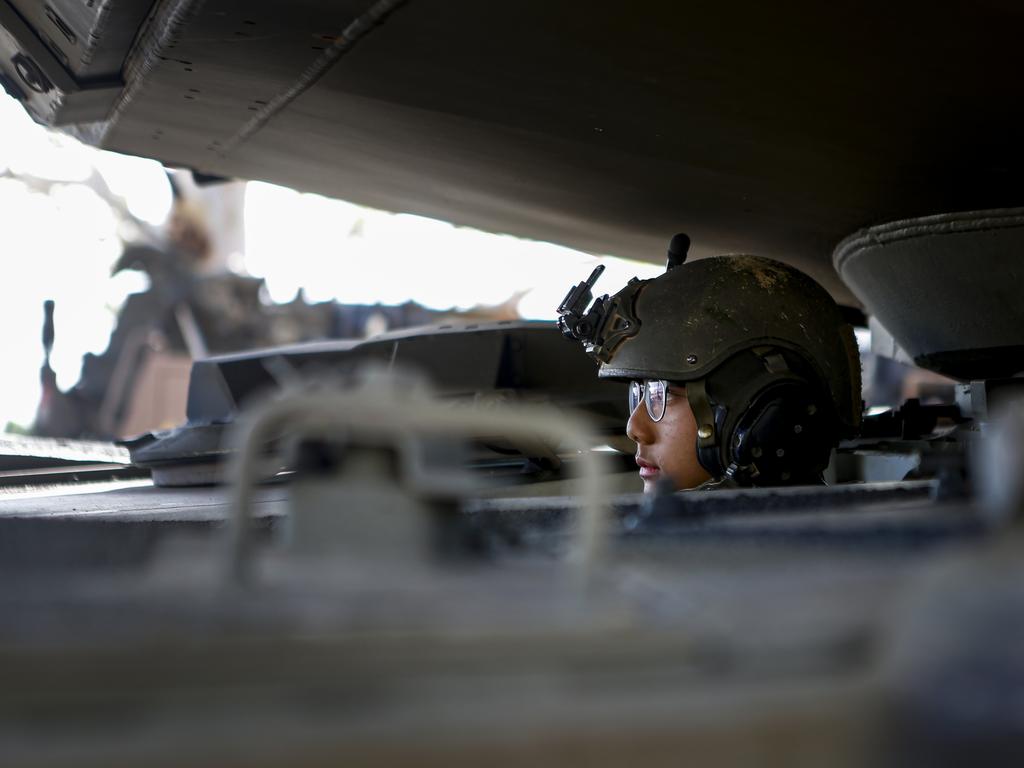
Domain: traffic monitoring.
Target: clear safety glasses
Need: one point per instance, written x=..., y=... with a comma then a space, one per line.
x=653, y=393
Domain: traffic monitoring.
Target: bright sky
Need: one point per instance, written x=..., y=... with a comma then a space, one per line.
x=60, y=239
x=361, y=256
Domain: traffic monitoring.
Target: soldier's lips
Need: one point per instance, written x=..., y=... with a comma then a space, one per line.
x=648, y=470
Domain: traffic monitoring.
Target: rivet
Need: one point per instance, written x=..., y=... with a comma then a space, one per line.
x=780, y=453
x=798, y=428
x=691, y=359
x=704, y=432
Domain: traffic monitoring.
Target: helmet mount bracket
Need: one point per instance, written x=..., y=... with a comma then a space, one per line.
x=605, y=324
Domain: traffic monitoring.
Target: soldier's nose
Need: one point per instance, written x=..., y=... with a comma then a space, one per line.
x=639, y=428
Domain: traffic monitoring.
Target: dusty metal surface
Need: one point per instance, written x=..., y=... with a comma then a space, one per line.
x=778, y=651
x=755, y=625
x=753, y=128
x=26, y=452
x=511, y=362
x=88, y=526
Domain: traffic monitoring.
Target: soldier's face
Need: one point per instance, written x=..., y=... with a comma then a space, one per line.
x=667, y=448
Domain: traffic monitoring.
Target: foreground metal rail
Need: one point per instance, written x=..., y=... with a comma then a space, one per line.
x=330, y=414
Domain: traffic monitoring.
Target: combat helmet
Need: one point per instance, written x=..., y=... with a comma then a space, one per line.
x=770, y=366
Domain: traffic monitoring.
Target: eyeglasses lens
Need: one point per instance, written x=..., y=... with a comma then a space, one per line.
x=636, y=393
x=655, y=397
x=652, y=393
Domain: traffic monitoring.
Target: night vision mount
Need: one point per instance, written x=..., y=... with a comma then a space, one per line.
x=601, y=327
x=610, y=320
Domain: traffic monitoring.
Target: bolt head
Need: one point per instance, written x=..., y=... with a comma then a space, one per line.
x=691, y=359
x=797, y=428
x=812, y=409
x=756, y=453
x=780, y=453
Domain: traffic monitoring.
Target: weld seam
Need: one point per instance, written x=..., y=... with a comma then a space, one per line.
x=345, y=42
x=146, y=54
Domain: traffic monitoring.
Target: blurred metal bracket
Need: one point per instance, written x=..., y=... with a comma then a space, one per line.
x=56, y=87
x=371, y=409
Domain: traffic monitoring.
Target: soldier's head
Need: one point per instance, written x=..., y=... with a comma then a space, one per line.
x=742, y=369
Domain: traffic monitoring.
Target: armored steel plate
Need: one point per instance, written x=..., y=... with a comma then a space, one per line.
x=757, y=129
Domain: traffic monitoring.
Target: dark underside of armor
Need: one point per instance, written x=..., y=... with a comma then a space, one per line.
x=754, y=128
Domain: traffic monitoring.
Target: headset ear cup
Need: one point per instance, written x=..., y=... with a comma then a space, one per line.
x=782, y=437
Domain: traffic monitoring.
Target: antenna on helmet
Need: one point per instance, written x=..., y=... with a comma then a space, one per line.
x=678, y=248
